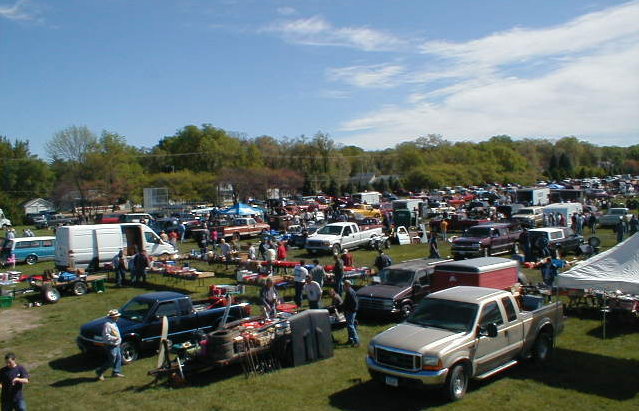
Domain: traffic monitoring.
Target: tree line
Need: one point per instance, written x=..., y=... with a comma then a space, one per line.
x=86, y=168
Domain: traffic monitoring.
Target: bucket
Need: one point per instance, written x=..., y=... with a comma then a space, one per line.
x=98, y=286
x=6, y=301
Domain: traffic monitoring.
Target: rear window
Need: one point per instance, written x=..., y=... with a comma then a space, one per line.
x=509, y=308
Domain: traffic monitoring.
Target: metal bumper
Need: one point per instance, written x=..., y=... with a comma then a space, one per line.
x=88, y=345
x=425, y=377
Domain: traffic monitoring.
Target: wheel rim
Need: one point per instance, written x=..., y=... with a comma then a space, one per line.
x=406, y=309
x=128, y=353
x=459, y=383
x=52, y=295
x=31, y=260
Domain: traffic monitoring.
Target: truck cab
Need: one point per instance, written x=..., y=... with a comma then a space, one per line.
x=486, y=239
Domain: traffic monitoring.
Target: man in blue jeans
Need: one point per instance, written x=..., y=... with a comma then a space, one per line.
x=112, y=339
x=13, y=377
x=349, y=307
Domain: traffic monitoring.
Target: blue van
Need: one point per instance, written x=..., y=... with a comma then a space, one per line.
x=29, y=250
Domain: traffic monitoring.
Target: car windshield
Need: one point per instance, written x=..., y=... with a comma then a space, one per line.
x=330, y=230
x=478, y=232
x=399, y=278
x=525, y=211
x=135, y=310
x=617, y=211
x=449, y=315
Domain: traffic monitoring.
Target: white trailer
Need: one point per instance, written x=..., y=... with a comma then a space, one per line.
x=535, y=196
x=566, y=209
x=367, y=197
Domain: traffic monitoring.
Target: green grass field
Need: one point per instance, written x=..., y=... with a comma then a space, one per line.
x=587, y=373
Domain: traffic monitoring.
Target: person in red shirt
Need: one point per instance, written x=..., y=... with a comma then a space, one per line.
x=347, y=258
x=282, y=254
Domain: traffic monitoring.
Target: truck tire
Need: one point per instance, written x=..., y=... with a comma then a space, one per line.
x=543, y=348
x=130, y=352
x=337, y=248
x=31, y=259
x=79, y=288
x=456, y=383
x=406, y=308
x=50, y=294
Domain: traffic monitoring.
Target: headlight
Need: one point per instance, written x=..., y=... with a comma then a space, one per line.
x=327, y=243
x=431, y=362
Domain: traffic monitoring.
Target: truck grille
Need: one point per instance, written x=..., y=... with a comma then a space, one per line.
x=314, y=243
x=396, y=359
x=371, y=303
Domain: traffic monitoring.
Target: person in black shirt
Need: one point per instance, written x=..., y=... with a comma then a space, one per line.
x=349, y=307
x=13, y=377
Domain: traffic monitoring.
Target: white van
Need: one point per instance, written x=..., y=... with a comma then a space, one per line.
x=567, y=209
x=94, y=245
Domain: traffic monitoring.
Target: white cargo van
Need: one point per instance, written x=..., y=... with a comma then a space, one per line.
x=94, y=245
x=567, y=209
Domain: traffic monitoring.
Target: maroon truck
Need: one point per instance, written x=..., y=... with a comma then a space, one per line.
x=457, y=222
x=241, y=227
x=486, y=239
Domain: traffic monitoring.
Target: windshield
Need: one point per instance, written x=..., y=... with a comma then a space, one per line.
x=617, y=211
x=399, y=278
x=478, y=232
x=330, y=229
x=449, y=315
x=525, y=211
x=135, y=310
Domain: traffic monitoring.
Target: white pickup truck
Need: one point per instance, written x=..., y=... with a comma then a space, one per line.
x=335, y=237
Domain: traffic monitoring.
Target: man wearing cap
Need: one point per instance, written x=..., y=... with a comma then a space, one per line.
x=313, y=293
x=112, y=339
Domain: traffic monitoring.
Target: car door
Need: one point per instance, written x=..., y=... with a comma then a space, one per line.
x=490, y=351
x=403, y=237
x=347, y=237
x=153, y=330
x=513, y=328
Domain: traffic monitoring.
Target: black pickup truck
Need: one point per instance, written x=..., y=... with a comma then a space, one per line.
x=141, y=322
x=401, y=287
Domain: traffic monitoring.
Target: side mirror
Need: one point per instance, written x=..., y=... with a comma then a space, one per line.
x=491, y=330
x=416, y=287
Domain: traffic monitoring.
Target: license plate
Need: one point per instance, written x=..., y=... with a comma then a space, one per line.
x=392, y=381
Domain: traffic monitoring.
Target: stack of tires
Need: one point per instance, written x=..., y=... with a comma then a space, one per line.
x=221, y=345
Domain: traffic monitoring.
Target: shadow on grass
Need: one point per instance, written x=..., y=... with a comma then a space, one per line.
x=372, y=395
x=77, y=363
x=201, y=378
x=594, y=374
x=69, y=382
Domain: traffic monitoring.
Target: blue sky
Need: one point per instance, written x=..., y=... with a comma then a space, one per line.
x=367, y=72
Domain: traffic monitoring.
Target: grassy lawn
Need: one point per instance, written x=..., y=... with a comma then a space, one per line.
x=587, y=372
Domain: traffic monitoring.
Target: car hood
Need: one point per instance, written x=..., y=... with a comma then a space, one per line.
x=469, y=240
x=323, y=237
x=380, y=291
x=415, y=338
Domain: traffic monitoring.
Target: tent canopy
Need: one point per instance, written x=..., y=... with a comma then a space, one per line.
x=614, y=269
x=241, y=209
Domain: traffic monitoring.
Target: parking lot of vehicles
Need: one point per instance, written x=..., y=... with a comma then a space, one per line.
x=462, y=333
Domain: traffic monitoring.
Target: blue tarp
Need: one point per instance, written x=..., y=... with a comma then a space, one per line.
x=241, y=209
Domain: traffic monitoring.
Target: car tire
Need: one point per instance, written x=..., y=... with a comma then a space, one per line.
x=130, y=352
x=31, y=259
x=50, y=294
x=79, y=288
x=336, y=249
x=456, y=383
x=406, y=309
x=542, y=348
x=594, y=242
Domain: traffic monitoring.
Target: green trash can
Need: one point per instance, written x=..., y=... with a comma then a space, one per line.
x=98, y=286
x=6, y=301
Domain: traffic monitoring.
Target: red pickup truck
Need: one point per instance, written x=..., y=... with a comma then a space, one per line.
x=239, y=228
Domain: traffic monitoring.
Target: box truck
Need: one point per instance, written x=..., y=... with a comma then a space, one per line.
x=90, y=246
x=368, y=197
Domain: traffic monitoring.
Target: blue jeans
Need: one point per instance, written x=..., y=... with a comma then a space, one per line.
x=299, y=287
x=20, y=405
x=114, y=359
x=351, y=327
x=119, y=275
x=339, y=285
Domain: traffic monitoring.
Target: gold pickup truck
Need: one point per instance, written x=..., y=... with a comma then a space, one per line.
x=462, y=333
x=363, y=211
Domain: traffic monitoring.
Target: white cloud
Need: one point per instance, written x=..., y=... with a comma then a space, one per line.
x=286, y=11
x=16, y=12
x=378, y=76
x=576, y=79
x=317, y=31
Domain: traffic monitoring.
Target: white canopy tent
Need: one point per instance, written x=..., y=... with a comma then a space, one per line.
x=614, y=269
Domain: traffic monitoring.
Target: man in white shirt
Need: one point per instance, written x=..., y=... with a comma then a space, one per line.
x=313, y=293
x=112, y=340
x=300, y=272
